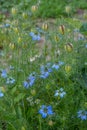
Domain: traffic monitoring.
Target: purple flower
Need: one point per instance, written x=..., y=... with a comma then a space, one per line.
x=30, y=81
x=4, y=74
x=45, y=111
x=82, y=114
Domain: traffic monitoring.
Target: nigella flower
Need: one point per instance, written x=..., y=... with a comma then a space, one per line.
x=81, y=37
x=1, y=54
x=61, y=93
x=30, y=80
x=76, y=30
x=61, y=63
x=34, y=36
x=6, y=25
x=45, y=111
x=31, y=34
x=1, y=94
x=11, y=67
x=4, y=74
x=45, y=70
x=10, y=80
x=86, y=46
x=55, y=66
x=82, y=114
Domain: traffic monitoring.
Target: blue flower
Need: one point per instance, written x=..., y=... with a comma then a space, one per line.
x=1, y=53
x=10, y=80
x=31, y=34
x=61, y=63
x=30, y=81
x=35, y=37
x=1, y=94
x=82, y=114
x=11, y=67
x=55, y=66
x=7, y=25
x=81, y=38
x=4, y=74
x=86, y=46
x=45, y=111
x=45, y=70
x=76, y=30
x=61, y=93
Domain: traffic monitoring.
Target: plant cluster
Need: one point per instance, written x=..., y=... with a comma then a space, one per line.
x=43, y=73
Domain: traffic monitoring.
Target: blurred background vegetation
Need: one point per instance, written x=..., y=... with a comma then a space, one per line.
x=51, y=8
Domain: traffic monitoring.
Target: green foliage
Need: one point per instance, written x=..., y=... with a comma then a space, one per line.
x=83, y=28
x=46, y=8
x=42, y=62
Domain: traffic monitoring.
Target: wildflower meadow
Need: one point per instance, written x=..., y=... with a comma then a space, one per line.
x=43, y=65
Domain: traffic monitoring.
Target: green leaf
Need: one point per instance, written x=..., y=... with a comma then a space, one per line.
x=19, y=97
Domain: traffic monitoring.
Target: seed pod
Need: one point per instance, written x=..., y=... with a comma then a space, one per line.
x=23, y=128
x=67, y=68
x=68, y=47
x=33, y=92
x=13, y=11
x=34, y=8
x=44, y=26
x=19, y=39
x=50, y=123
x=16, y=30
x=62, y=29
x=68, y=9
x=3, y=89
x=56, y=38
x=11, y=46
x=85, y=15
x=24, y=15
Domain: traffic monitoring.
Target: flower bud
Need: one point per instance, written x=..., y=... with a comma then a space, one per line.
x=3, y=89
x=33, y=92
x=85, y=15
x=22, y=128
x=68, y=9
x=19, y=39
x=68, y=47
x=13, y=11
x=85, y=104
x=44, y=26
x=34, y=8
x=56, y=38
x=50, y=123
x=16, y=30
x=67, y=68
x=62, y=29
x=24, y=15
x=11, y=46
